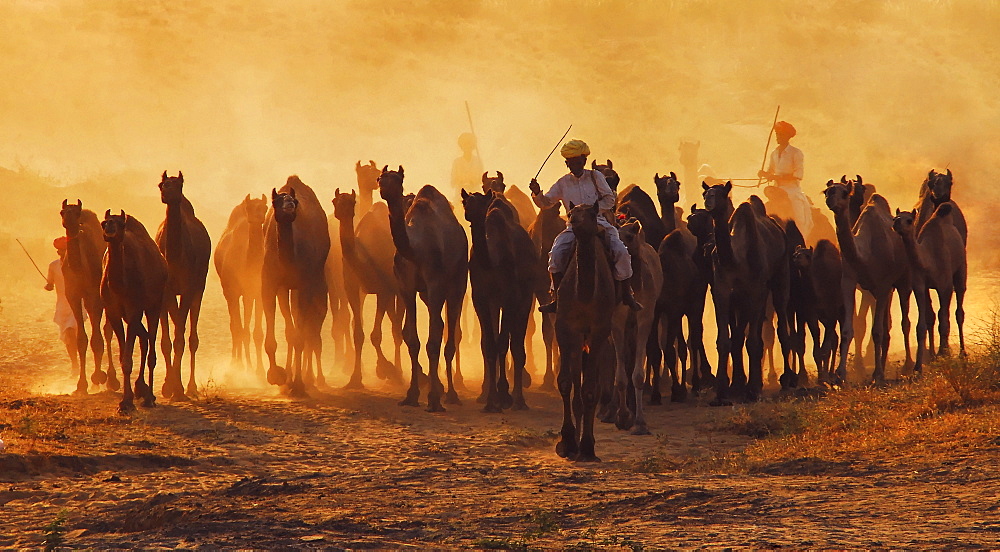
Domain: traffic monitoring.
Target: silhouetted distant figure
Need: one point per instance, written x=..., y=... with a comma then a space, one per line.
x=466, y=169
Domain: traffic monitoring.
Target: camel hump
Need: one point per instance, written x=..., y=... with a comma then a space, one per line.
x=881, y=203
x=944, y=210
x=674, y=241
x=825, y=247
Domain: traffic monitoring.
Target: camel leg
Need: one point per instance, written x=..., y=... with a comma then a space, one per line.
x=568, y=445
x=679, y=393
x=739, y=324
x=180, y=328
x=276, y=375
x=453, y=312
x=505, y=371
x=723, y=343
x=95, y=311
x=172, y=387
x=396, y=323
x=879, y=331
x=81, y=346
x=768, y=338
x=258, y=333
x=944, y=319
x=620, y=415
x=152, y=323
x=488, y=335
x=356, y=299
x=385, y=304
x=193, y=342
x=413, y=346
x=904, y=310
x=292, y=309
x=960, y=310
x=244, y=326
x=69, y=340
x=142, y=390
x=517, y=338
x=435, y=333
x=529, y=348
x=113, y=383
x=822, y=365
x=669, y=350
x=127, y=404
x=284, y=305
x=590, y=387
x=860, y=321
x=847, y=319
x=236, y=327
x=923, y=315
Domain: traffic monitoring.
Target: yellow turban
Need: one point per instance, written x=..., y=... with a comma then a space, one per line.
x=574, y=148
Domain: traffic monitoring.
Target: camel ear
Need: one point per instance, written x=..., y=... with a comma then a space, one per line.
x=593, y=164
x=610, y=164
x=107, y=214
x=931, y=174
x=180, y=176
x=485, y=178
x=385, y=169
x=123, y=213
x=897, y=211
x=263, y=197
x=949, y=173
x=371, y=163
x=291, y=192
x=164, y=177
x=465, y=194
x=400, y=170
x=843, y=179
x=704, y=186
x=65, y=204
x=336, y=193
x=500, y=176
x=247, y=198
x=672, y=175
x=357, y=165
x=274, y=194
x=693, y=207
x=354, y=194
x=729, y=186
x=656, y=177
x=829, y=183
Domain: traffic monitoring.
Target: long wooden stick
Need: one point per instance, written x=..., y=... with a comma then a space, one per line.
x=468, y=113
x=551, y=152
x=32, y=260
x=767, y=148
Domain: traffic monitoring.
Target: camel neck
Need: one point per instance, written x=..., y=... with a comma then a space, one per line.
x=914, y=251
x=397, y=227
x=116, y=265
x=174, y=229
x=586, y=267
x=480, y=251
x=286, y=242
x=255, y=241
x=365, y=199
x=845, y=237
x=723, y=239
x=667, y=216
x=347, y=243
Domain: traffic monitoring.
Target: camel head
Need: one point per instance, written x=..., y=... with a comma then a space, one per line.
x=367, y=175
x=904, y=223
x=838, y=196
x=114, y=227
x=668, y=188
x=940, y=186
x=494, y=183
x=701, y=224
x=632, y=235
x=285, y=205
x=802, y=257
x=70, y=215
x=256, y=209
x=390, y=183
x=344, y=205
x=476, y=205
x=716, y=197
x=171, y=188
x=583, y=220
x=608, y=170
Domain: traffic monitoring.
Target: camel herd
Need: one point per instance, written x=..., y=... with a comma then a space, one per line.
x=765, y=280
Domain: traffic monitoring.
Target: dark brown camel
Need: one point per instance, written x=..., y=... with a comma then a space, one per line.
x=186, y=246
x=608, y=170
x=368, y=269
x=937, y=261
x=700, y=224
x=750, y=263
x=85, y=247
x=874, y=259
x=432, y=260
x=504, y=271
x=543, y=231
x=296, y=243
x=585, y=302
x=522, y=204
x=239, y=258
x=133, y=285
x=820, y=272
x=632, y=330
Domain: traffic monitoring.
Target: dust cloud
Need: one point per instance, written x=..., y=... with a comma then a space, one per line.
x=104, y=95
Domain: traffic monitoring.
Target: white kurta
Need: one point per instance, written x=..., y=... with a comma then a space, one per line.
x=789, y=164
x=589, y=189
x=64, y=314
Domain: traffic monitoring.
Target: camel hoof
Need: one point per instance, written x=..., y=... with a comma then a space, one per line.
x=297, y=391
x=81, y=389
x=564, y=450
x=452, y=398
x=192, y=391
x=98, y=377
x=410, y=400
x=435, y=406
x=721, y=402
x=624, y=421
x=276, y=375
x=148, y=401
x=526, y=379
x=386, y=370
x=640, y=430
x=178, y=397
x=655, y=399
x=788, y=380
x=126, y=407
x=519, y=404
x=549, y=382
x=113, y=383
x=678, y=393
x=588, y=458
x=321, y=382
x=492, y=409
x=354, y=385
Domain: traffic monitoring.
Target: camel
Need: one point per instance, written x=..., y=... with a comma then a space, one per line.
x=875, y=260
x=85, y=249
x=585, y=303
x=543, y=231
x=504, y=271
x=133, y=285
x=368, y=256
x=186, y=246
x=608, y=170
x=432, y=260
x=937, y=261
x=296, y=244
x=523, y=206
x=239, y=258
x=750, y=263
x=632, y=330
x=819, y=271
x=700, y=224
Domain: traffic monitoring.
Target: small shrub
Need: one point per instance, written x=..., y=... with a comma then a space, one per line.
x=55, y=533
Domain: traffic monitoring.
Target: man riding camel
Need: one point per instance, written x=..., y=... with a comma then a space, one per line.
x=786, y=170
x=582, y=186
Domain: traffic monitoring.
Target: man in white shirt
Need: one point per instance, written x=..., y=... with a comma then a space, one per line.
x=785, y=170
x=583, y=186
x=64, y=314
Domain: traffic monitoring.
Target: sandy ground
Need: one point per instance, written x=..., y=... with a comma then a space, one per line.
x=246, y=467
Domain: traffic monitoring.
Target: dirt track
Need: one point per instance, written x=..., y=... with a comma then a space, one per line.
x=248, y=468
